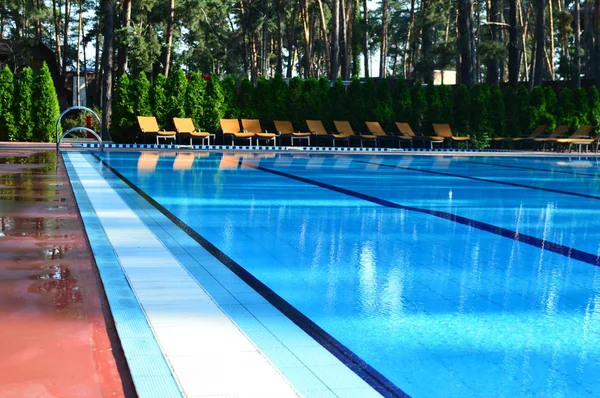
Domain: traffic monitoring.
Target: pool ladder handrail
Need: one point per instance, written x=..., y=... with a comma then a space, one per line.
x=78, y=128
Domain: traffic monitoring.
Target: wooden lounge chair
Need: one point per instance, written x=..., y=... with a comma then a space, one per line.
x=444, y=130
x=344, y=127
x=375, y=128
x=286, y=129
x=149, y=128
x=580, y=137
x=405, y=129
x=538, y=132
x=253, y=126
x=185, y=128
x=559, y=132
x=318, y=130
x=231, y=128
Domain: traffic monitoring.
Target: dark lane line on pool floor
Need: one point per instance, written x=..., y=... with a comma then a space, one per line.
x=512, y=184
x=510, y=166
x=365, y=371
x=566, y=251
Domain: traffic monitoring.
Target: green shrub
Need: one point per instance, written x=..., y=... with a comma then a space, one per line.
x=214, y=107
x=447, y=98
x=462, y=110
x=497, y=111
x=324, y=100
x=594, y=106
x=481, y=126
x=582, y=107
x=158, y=100
x=7, y=97
x=24, y=107
x=383, y=108
x=566, y=108
x=434, y=108
x=246, y=99
x=45, y=106
x=295, y=101
x=263, y=101
x=402, y=102
x=369, y=99
x=550, y=95
x=419, y=107
x=356, y=104
x=539, y=110
x=176, y=88
x=523, y=111
x=279, y=93
x=311, y=107
x=230, y=101
x=123, y=118
x=511, y=113
x=337, y=97
x=194, y=99
x=140, y=92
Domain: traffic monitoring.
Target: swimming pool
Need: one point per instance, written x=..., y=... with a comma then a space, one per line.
x=444, y=276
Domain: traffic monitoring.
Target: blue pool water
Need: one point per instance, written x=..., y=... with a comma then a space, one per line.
x=450, y=276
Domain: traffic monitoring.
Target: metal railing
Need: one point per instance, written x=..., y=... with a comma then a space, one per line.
x=79, y=128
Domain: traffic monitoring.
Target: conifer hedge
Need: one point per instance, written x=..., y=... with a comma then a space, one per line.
x=24, y=107
x=45, y=108
x=7, y=96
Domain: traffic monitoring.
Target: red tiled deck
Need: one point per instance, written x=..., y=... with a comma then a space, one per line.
x=55, y=340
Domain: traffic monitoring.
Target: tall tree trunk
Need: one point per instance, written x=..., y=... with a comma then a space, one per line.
x=324, y=32
x=65, y=39
x=291, y=48
x=426, y=40
x=307, y=38
x=108, y=8
x=279, y=66
x=538, y=72
x=170, y=23
x=38, y=23
x=406, y=58
x=465, y=26
x=492, y=62
x=588, y=29
x=344, y=56
x=123, y=48
x=596, y=62
x=551, y=22
x=576, y=57
x=384, y=34
x=335, y=40
x=57, y=33
x=524, y=41
x=79, y=28
x=366, y=36
x=97, y=68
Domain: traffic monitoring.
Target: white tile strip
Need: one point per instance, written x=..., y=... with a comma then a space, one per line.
x=209, y=355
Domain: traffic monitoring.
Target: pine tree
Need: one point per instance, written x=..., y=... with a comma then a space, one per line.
x=176, y=88
x=497, y=112
x=462, y=110
x=7, y=96
x=158, y=100
x=230, y=101
x=45, y=106
x=402, y=102
x=140, y=92
x=214, y=107
x=24, y=107
x=123, y=117
x=419, y=108
x=194, y=98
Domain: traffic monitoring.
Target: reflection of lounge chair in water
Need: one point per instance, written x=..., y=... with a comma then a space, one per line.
x=184, y=161
x=147, y=161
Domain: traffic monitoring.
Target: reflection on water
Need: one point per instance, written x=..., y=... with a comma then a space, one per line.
x=57, y=281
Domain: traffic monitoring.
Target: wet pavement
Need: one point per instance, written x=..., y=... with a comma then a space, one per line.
x=56, y=339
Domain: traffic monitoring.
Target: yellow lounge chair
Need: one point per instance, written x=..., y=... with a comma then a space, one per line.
x=538, y=132
x=285, y=128
x=559, y=132
x=580, y=137
x=444, y=130
x=317, y=129
x=375, y=128
x=405, y=129
x=185, y=128
x=344, y=127
x=149, y=127
x=231, y=128
x=253, y=126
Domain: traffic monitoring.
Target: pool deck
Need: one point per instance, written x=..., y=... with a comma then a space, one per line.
x=57, y=338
